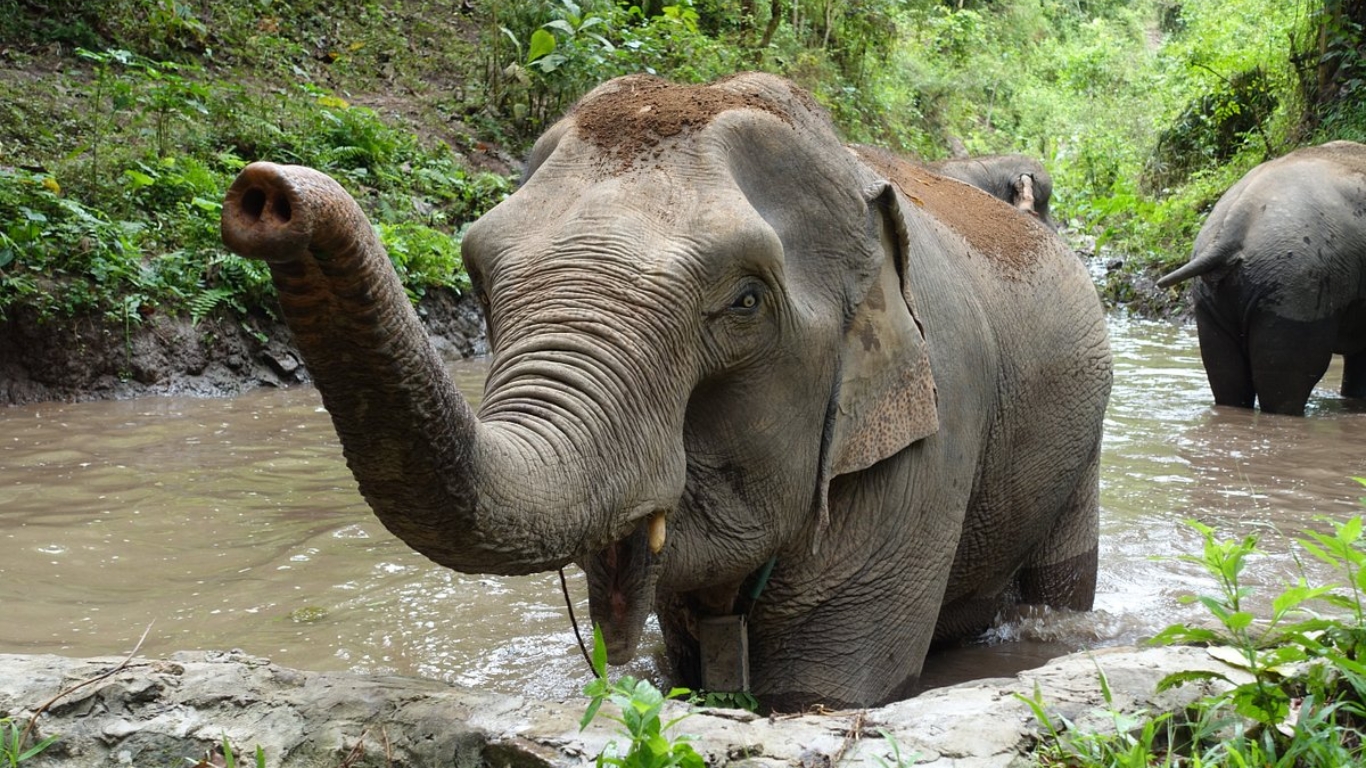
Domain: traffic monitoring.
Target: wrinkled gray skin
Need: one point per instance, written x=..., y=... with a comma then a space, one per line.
x=724, y=318
x=1282, y=267
x=1017, y=179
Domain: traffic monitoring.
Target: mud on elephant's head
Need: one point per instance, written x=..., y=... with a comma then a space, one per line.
x=655, y=256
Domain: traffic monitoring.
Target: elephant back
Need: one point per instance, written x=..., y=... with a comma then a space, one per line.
x=1015, y=244
x=1348, y=154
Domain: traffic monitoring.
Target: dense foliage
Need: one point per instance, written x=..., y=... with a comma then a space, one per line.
x=122, y=121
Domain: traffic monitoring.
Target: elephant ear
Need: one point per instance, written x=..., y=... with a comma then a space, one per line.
x=886, y=398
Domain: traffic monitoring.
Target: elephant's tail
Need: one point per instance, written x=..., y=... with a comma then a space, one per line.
x=1193, y=268
x=1207, y=261
x=1220, y=241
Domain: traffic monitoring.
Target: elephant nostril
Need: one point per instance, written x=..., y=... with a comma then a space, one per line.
x=256, y=201
x=281, y=208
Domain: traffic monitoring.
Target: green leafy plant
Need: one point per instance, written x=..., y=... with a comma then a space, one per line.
x=1265, y=648
x=898, y=760
x=205, y=302
x=641, y=706
x=230, y=760
x=12, y=741
x=229, y=757
x=424, y=258
x=1135, y=739
x=543, y=55
x=726, y=700
x=1300, y=700
x=576, y=29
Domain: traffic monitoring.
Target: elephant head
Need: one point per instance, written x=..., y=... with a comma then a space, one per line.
x=685, y=353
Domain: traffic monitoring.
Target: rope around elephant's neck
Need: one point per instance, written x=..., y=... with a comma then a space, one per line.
x=574, y=622
x=761, y=580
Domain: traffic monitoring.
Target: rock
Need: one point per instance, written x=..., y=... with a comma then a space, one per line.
x=153, y=712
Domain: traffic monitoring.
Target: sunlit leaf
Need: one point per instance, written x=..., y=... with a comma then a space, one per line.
x=1231, y=656
x=599, y=653
x=138, y=179
x=542, y=44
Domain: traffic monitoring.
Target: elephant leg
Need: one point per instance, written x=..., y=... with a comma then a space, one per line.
x=677, y=622
x=850, y=626
x=1354, y=375
x=1226, y=362
x=1288, y=358
x=1061, y=573
x=864, y=645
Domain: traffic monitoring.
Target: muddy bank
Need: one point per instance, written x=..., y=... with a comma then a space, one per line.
x=154, y=712
x=93, y=358
x=1128, y=285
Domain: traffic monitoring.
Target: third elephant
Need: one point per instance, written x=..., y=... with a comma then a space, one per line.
x=1282, y=268
x=1017, y=179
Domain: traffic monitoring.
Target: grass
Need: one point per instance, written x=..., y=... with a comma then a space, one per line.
x=228, y=758
x=13, y=741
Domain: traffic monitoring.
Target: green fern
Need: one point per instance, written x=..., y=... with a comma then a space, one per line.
x=345, y=155
x=203, y=303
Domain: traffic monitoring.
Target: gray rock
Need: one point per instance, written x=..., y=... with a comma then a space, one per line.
x=155, y=712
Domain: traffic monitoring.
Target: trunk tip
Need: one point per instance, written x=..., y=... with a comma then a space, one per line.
x=261, y=213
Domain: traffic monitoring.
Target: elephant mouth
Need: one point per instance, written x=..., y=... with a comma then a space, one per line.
x=621, y=586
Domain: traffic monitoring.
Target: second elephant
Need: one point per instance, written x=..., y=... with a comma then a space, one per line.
x=1282, y=267
x=1017, y=179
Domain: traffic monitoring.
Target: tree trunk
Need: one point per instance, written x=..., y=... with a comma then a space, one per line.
x=775, y=16
x=747, y=22
x=1339, y=55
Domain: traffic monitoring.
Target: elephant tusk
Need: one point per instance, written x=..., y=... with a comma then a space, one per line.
x=656, y=532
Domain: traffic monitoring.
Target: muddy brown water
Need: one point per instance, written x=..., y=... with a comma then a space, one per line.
x=234, y=524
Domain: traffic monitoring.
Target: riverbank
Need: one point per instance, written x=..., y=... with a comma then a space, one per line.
x=94, y=358
x=155, y=712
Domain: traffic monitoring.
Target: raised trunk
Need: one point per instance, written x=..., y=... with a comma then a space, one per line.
x=461, y=492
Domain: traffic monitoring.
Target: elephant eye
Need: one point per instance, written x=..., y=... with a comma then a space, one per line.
x=747, y=301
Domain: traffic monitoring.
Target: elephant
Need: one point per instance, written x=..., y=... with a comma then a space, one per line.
x=1017, y=179
x=739, y=373
x=1282, y=267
